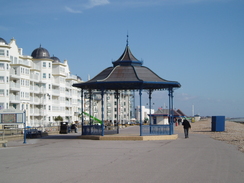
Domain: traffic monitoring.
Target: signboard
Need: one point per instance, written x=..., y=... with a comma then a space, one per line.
x=11, y=116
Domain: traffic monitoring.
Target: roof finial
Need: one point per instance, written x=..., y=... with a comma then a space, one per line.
x=127, y=40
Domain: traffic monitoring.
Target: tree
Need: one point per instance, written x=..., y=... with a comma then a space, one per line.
x=58, y=118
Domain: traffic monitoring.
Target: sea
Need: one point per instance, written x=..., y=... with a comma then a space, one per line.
x=239, y=120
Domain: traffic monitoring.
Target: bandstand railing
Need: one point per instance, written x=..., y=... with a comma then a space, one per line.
x=97, y=130
x=157, y=130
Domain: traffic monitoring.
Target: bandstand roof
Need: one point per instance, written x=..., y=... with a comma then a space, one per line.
x=127, y=73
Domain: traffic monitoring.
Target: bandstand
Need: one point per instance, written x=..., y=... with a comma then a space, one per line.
x=128, y=73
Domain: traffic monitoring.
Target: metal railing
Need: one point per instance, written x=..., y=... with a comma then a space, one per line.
x=97, y=130
x=157, y=130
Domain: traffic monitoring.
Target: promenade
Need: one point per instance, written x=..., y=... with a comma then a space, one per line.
x=64, y=158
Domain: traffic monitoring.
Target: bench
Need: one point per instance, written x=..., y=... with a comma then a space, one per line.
x=33, y=133
x=4, y=143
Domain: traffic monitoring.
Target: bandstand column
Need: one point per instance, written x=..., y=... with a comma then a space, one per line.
x=150, y=108
x=90, y=110
x=102, y=95
x=171, y=111
x=140, y=93
x=117, y=101
x=82, y=110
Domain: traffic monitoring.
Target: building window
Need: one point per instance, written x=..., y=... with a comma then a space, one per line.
x=49, y=108
x=1, y=105
x=49, y=76
x=1, y=52
x=2, y=66
x=44, y=75
x=1, y=79
x=44, y=64
x=7, y=53
x=1, y=93
x=49, y=65
x=27, y=71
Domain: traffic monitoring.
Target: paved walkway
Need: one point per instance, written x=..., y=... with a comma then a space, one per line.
x=65, y=159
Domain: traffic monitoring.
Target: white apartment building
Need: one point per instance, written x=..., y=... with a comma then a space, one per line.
x=39, y=84
x=42, y=86
x=112, y=112
x=145, y=112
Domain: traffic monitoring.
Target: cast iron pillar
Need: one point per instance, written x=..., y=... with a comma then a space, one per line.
x=102, y=95
x=140, y=93
x=171, y=111
x=117, y=101
x=82, y=110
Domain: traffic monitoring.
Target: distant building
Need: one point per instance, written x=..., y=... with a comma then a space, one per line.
x=161, y=116
x=145, y=113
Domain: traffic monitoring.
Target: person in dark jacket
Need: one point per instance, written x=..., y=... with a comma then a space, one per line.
x=186, y=126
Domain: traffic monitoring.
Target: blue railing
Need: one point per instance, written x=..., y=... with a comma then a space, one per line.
x=157, y=130
x=97, y=130
x=92, y=130
x=146, y=130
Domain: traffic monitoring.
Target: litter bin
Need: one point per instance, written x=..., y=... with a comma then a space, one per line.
x=63, y=128
x=218, y=123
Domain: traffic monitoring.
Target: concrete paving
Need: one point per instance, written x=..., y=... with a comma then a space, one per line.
x=64, y=158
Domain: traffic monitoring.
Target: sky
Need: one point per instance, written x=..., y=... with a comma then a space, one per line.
x=199, y=43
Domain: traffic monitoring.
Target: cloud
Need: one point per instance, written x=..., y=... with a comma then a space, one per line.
x=72, y=10
x=90, y=4
x=93, y=3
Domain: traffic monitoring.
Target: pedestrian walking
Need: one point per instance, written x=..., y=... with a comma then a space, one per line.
x=186, y=126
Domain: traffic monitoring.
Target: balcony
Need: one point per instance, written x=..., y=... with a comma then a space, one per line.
x=56, y=92
x=14, y=86
x=14, y=98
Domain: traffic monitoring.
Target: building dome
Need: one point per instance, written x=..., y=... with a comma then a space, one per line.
x=2, y=41
x=79, y=78
x=55, y=59
x=40, y=53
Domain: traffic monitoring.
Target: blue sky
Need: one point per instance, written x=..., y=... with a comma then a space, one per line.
x=199, y=43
